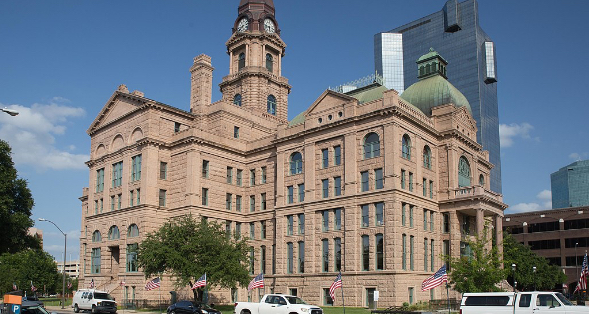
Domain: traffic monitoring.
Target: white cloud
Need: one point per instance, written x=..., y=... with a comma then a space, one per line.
x=579, y=156
x=544, y=202
x=32, y=133
x=508, y=133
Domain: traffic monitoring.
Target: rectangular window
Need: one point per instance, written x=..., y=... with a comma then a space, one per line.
x=324, y=158
x=365, y=216
x=301, y=219
x=162, y=198
x=337, y=186
x=238, y=229
x=301, y=257
x=230, y=175
x=431, y=189
x=95, y=268
x=301, y=188
x=101, y=204
x=100, y=180
x=411, y=247
x=252, y=177
x=252, y=230
x=424, y=187
x=425, y=244
x=325, y=220
x=263, y=259
x=228, y=229
x=425, y=219
x=252, y=203
x=411, y=207
x=252, y=258
x=446, y=217
x=431, y=251
x=205, y=197
x=379, y=213
x=411, y=295
x=235, y=132
x=163, y=170
x=117, y=174
x=131, y=198
x=410, y=181
x=379, y=252
x=273, y=258
x=264, y=175
x=325, y=255
x=364, y=180
x=289, y=224
x=138, y=194
x=290, y=257
x=403, y=213
x=176, y=127
x=136, y=168
x=404, y=259
x=402, y=179
x=238, y=203
x=378, y=179
x=327, y=297
x=325, y=188
x=132, y=257
x=119, y=200
x=365, y=253
x=337, y=254
x=228, y=199
x=431, y=221
x=290, y=194
x=112, y=203
x=263, y=229
x=205, y=168
x=337, y=219
x=238, y=177
x=337, y=155
x=263, y=201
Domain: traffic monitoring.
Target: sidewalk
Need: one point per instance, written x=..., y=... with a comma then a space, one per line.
x=69, y=309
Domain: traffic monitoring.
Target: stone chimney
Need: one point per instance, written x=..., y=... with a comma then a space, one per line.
x=201, y=84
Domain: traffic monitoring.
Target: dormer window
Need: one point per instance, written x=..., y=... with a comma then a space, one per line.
x=269, y=62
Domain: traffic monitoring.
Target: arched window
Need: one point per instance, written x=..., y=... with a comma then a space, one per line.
x=427, y=157
x=113, y=233
x=482, y=180
x=296, y=163
x=133, y=231
x=241, y=61
x=96, y=236
x=237, y=100
x=463, y=172
x=406, y=149
x=272, y=104
x=371, y=146
x=269, y=62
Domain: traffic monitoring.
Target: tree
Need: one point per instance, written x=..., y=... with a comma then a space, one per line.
x=479, y=271
x=187, y=249
x=26, y=267
x=547, y=277
x=16, y=203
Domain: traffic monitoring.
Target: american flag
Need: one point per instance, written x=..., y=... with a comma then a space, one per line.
x=92, y=284
x=33, y=288
x=153, y=284
x=69, y=285
x=435, y=280
x=337, y=283
x=582, y=285
x=257, y=282
x=201, y=282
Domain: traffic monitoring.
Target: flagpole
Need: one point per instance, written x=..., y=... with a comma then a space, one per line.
x=343, y=303
x=448, y=295
x=160, y=293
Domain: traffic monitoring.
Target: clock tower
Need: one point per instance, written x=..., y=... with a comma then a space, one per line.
x=255, y=82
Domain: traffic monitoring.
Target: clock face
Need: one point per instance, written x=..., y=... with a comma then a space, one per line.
x=269, y=26
x=242, y=25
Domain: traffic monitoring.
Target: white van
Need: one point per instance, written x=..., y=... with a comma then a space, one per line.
x=533, y=302
x=94, y=300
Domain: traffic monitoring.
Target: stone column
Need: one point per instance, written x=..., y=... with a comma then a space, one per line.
x=350, y=162
x=309, y=171
x=480, y=221
x=499, y=233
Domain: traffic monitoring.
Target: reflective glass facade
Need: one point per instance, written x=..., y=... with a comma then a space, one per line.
x=455, y=34
x=388, y=58
x=570, y=185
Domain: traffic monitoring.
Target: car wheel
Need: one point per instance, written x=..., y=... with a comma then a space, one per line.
x=93, y=309
x=172, y=312
x=76, y=308
x=245, y=312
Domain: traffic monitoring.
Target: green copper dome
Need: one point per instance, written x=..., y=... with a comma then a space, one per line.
x=433, y=89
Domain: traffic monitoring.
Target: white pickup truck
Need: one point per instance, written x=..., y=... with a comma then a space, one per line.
x=534, y=302
x=277, y=304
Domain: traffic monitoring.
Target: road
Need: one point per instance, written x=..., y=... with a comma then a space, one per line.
x=69, y=310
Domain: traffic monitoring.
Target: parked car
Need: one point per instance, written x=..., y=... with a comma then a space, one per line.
x=33, y=307
x=189, y=307
x=94, y=300
x=277, y=304
x=33, y=299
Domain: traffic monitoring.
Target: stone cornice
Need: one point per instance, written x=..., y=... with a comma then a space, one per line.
x=249, y=71
x=119, y=153
x=238, y=37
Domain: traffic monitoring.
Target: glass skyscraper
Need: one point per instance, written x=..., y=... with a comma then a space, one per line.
x=570, y=185
x=453, y=32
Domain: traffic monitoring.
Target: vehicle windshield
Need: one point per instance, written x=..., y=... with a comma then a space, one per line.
x=203, y=306
x=295, y=300
x=563, y=299
x=34, y=310
x=103, y=296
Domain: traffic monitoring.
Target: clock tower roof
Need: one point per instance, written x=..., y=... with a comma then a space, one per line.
x=253, y=14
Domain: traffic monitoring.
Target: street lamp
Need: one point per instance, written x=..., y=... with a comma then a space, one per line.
x=576, y=260
x=524, y=225
x=534, y=268
x=514, y=282
x=64, y=255
x=9, y=111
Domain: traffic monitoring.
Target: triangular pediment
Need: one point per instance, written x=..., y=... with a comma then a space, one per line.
x=327, y=102
x=117, y=106
x=461, y=114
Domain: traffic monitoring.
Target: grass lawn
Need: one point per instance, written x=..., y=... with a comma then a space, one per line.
x=55, y=301
x=228, y=309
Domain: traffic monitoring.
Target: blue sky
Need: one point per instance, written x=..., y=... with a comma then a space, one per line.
x=60, y=61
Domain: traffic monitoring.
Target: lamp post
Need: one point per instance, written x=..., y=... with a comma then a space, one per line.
x=524, y=225
x=576, y=261
x=534, y=268
x=9, y=111
x=514, y=282
x=64, y=255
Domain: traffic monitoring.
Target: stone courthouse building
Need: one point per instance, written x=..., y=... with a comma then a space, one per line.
x=371, y=183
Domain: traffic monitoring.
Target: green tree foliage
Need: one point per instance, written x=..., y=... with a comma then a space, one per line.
x=28, y=266
x=187, y=249
x=547, y=277
x=16, y=203
x=479, y=271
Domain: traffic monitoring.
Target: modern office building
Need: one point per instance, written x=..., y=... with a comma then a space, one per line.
x=455, y=33
x=559, y=235
x=72, y=268
x=362, y=182
x=570, y=185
